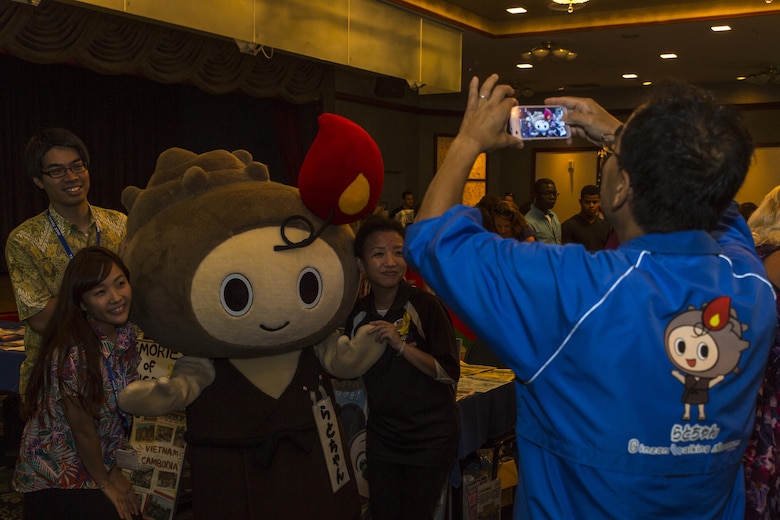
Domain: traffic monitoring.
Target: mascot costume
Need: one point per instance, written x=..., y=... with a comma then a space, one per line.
x=250, y=279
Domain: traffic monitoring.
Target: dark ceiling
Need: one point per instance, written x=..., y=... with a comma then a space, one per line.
x=612, y=37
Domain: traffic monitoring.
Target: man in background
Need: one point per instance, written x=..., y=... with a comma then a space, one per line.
x=405, y=212
x=545, y=223
x=587, y=227
x=39, y=249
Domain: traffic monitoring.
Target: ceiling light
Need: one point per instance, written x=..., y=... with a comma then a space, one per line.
x=570, y=3
x=720, y=28
x=668, y=56
x=524, y=66
x=516, y=10
x=540, y=52
x=630, y=75
x=771, y=74
x=647, y=83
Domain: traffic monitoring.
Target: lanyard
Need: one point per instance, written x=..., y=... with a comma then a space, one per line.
x=124, y=417
x=61, y=237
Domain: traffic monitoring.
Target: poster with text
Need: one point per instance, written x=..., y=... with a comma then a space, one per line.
x=158, y=442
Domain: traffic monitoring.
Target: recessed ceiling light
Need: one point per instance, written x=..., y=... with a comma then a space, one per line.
x=741, y=78
x=647, y=83
x=720, y=28
x=524, y=66
x=516, y=10
x=630, y=75
x=668, y=56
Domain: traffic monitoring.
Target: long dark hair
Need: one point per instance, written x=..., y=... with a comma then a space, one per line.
x=69, y=326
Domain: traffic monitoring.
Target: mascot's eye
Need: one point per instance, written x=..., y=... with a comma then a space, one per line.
x=703, y=351
x=309, y=287
x=236, y=294
x=679, y=347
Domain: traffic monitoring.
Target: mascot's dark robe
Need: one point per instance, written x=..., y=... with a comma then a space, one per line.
x=271, y=447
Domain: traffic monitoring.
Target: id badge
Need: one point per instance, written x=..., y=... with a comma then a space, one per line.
x=126, y=458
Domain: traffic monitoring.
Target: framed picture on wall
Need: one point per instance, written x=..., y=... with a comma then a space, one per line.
x=476, y=185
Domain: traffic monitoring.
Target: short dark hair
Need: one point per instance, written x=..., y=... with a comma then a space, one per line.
x=407, y=192
x=686, y=156
x=375, y=224
x=588, y=190
x=45, y=140
x=541, y=183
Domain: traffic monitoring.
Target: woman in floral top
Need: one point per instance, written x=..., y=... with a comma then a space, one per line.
x=67, y=465
x=762, y=457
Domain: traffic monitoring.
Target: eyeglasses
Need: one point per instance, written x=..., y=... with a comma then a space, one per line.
x=549, y=193
x=58, y=173
x=608, y=142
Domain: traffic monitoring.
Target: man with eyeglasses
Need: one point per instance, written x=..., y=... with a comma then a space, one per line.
x=637, y=369
x=545, y=223
x=39, y=249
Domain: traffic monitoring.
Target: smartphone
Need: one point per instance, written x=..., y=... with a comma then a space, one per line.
x=538, y=122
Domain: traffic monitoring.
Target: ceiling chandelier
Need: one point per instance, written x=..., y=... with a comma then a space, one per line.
x=569, y=3
x=771, y=74
x=540, y=52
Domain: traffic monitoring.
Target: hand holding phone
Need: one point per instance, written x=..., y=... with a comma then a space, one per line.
x=538, y=122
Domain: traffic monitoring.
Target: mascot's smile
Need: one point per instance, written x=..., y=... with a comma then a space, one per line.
x=274, y=329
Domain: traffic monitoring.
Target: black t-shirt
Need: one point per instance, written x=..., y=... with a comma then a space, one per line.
x=412, y=419
x=593, y=235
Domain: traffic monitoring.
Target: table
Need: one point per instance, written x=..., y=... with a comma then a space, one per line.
x=484, y=416
x=11, y=355
x=487, y=412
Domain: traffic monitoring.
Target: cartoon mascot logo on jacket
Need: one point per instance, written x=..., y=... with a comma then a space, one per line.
x=249, y=279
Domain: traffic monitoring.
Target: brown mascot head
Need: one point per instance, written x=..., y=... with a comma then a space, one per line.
x=227, y=263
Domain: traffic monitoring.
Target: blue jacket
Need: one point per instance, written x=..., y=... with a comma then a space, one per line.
x=634, y=399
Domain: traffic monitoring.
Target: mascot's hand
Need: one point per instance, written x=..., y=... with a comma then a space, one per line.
x=168, y=394
x=349, y=358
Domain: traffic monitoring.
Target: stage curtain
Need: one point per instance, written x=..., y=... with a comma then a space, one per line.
x=111, y=44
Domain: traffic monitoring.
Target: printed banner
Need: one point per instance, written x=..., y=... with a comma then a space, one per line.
x=158, y=442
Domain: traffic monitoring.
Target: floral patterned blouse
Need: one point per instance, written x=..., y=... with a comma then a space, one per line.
x=48, y=456
x=762, y=467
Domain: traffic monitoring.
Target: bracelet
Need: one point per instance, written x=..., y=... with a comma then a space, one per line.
x=401, y=350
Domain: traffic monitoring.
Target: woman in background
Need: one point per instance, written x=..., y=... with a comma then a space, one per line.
x=510, y=223
x=762, y=474
x=67, y=465
x=412, y=428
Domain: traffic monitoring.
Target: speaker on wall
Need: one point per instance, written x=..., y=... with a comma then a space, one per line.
x=390, y=87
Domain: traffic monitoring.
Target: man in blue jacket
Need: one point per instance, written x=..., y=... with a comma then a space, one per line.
x=637, y=374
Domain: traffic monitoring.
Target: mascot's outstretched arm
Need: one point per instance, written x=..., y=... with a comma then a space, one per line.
x=162, y=396
x=347, y=359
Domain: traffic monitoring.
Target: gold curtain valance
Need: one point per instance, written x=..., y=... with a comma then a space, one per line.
x=110, y=44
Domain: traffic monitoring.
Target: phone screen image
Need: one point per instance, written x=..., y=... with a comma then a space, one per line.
x=538, y=122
